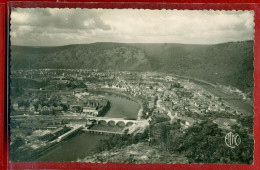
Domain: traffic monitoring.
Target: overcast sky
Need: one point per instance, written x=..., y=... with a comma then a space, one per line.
x=48, y=27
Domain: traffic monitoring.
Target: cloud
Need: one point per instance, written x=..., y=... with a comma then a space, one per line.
x=47, y=26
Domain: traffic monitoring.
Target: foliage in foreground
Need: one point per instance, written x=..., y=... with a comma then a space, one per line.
x=201, y=143
x=205, y=143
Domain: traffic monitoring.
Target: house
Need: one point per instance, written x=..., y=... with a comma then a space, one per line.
x=75, y=108
x=194, y=109
x=22, y=108
x=49, y=109
x=151, y=105
x=31, y=108
x=15, y=106
x=39, y=107
x=58, y=108
x=90, y=110
x=46, y=108
x=212, y=108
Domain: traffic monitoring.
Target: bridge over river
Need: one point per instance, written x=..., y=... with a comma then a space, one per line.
x=113, y=121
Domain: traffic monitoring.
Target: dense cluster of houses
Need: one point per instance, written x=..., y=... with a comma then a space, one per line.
x=91, y=107
x=40, y=108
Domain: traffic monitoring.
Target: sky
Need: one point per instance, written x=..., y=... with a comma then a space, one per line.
x=56, y=27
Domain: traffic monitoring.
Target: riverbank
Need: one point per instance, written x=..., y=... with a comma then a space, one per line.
x=241, y=105
x=35, y=154
x=84, y=144
x=121, y=94
x=78, y=146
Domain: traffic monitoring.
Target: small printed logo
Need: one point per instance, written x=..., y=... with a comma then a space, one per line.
x=232, y=140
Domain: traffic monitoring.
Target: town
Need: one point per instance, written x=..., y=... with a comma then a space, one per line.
x=51, y=105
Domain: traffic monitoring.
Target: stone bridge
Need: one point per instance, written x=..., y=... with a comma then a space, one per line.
x=112, y=121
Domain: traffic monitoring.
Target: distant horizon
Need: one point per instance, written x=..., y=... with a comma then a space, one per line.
x=125, y=43
x=59, y=27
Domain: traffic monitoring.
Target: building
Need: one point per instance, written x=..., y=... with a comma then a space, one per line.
x=31, y=108
x=49, y=109
x=15, y=106
x=90, y=111
x=151, y=105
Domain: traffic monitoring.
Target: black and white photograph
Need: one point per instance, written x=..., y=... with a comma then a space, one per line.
x=131, y=86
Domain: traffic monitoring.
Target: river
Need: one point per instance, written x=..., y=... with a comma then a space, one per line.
x=239, y=105
x=83, y=145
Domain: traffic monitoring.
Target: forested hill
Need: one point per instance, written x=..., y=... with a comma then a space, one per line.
x=227, y=63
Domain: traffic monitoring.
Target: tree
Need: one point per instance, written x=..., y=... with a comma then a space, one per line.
x=205, y=143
